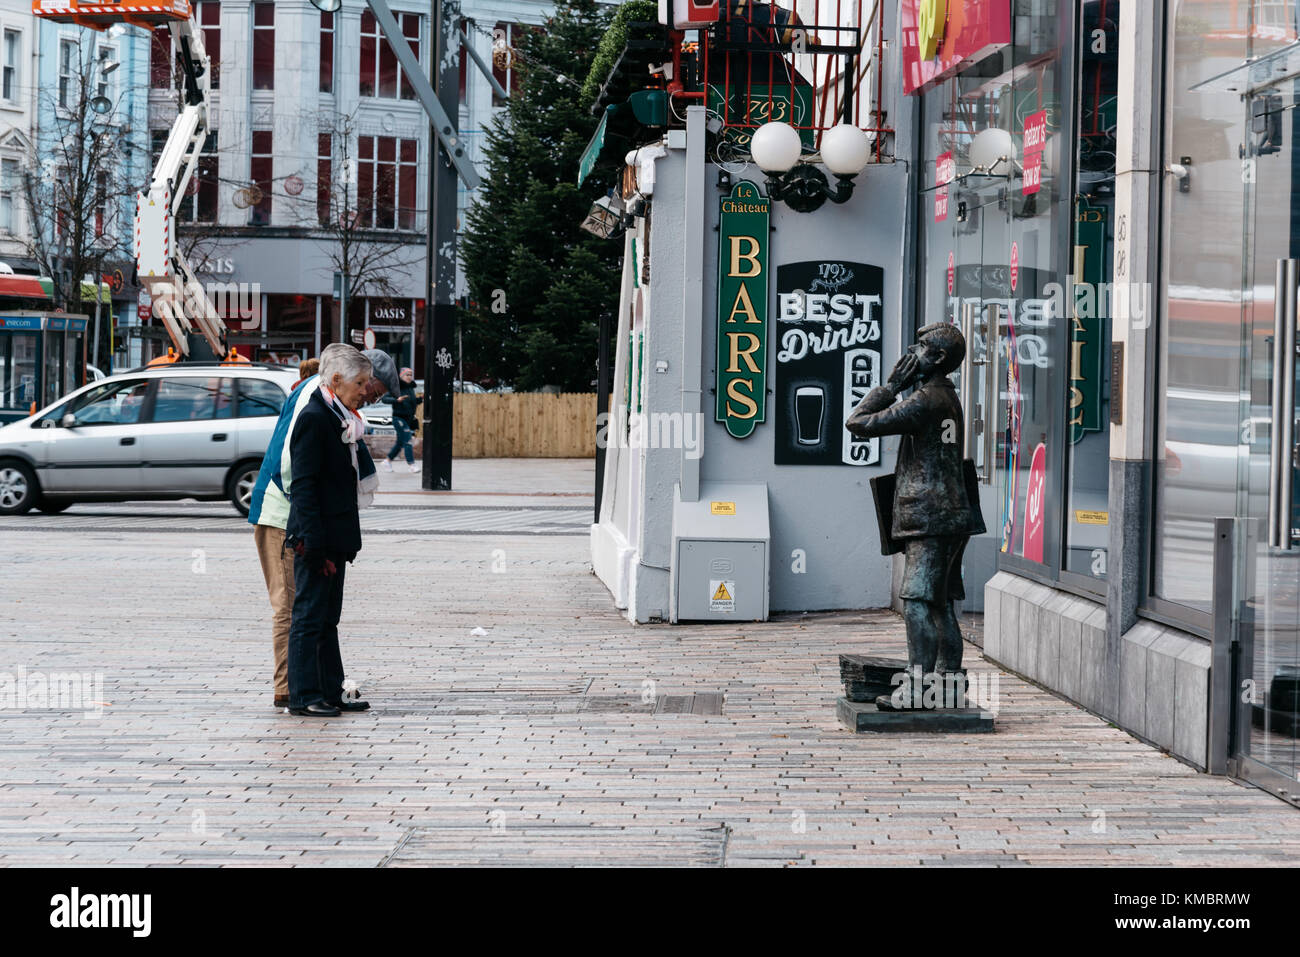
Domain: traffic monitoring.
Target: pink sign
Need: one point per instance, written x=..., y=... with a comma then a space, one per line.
x=1015, y=265
x=950, y=274
x=1035, y=135
x=945, y=170
x=1033, y=180
x=1034, y=501
x=971, y=30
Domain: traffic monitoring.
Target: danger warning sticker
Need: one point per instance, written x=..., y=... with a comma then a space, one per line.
x=722, y=595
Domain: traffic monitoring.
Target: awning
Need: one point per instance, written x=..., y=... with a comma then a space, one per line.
x=29, y=287
x=87, y=291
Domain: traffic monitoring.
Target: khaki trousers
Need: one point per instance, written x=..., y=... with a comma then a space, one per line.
x=277, y=569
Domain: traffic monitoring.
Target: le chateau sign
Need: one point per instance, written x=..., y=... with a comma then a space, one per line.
x=742, y=309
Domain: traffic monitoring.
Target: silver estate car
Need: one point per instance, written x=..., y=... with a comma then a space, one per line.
x=186, y=430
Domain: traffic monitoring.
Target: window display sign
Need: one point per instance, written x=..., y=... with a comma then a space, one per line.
x=944, y=172
x=1033, y=142
x=1087, y=320
x=943, y=37
x=742, y=309
x=828, y=358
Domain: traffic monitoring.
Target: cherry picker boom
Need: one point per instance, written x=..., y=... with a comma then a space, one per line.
x=179, y=299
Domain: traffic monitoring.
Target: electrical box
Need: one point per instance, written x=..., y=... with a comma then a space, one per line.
x=721, y=554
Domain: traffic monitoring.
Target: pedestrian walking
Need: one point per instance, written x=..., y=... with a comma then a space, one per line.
x=404, y=412
x=332, y=475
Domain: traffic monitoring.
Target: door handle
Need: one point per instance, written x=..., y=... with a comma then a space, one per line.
x=1282, y=433
x=219, y=437
x=130, y=440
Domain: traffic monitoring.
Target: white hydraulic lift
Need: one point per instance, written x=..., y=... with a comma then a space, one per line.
x=179, y=299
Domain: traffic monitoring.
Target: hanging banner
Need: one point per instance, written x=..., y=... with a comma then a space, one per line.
x=828, y=358
x=742, y=310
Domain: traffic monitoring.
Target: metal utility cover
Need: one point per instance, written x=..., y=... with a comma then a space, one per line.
x=720, y=553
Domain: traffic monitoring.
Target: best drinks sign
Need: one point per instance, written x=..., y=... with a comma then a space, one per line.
x=742, y=310
x=828, y=358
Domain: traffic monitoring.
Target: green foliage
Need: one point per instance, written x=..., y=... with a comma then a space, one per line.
x=613, y=42
x=538, y=283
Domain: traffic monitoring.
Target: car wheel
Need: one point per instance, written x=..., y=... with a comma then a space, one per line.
x=239, y=487
x=54, y=506
x=18, y=489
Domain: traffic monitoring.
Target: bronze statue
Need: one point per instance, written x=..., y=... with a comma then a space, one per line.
x=932, y=511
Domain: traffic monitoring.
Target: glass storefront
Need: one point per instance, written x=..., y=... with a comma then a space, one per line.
x=1007, y=246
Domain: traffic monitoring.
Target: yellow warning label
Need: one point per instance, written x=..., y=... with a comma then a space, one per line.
x=1091, y=518
x=722, y=508
x=722, y=596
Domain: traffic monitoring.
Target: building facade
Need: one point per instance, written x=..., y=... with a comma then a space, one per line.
x=1101, y=194
x=316, y=167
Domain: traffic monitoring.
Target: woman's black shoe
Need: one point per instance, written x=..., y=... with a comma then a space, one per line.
x=318, y=710
x=351, y=705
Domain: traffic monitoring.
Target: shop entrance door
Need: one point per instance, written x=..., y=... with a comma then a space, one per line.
x=979, y=303
x=1267, y=671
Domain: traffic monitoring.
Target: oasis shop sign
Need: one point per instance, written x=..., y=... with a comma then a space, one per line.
x=828, y=359
x=742, y=310
x=943, y=37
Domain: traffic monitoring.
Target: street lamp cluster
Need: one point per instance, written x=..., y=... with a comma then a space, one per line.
x=792, y=178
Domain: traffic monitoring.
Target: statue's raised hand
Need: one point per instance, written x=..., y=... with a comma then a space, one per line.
x=904, y=374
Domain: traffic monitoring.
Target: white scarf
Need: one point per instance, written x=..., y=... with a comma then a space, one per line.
x=354, y=427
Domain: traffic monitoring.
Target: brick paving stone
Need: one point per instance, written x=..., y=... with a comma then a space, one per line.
x=534, y=725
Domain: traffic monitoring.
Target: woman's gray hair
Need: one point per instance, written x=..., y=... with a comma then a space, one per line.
x=344, y=360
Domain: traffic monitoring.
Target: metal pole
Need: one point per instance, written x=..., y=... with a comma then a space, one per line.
x=440, y=276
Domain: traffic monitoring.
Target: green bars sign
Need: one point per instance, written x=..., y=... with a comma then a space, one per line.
x=742, y=309
x=1087, y=320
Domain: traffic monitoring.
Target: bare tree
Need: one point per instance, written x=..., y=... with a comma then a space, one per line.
x=77, y=182
x=364, y=239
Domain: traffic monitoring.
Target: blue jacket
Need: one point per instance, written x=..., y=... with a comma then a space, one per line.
x=270, y=503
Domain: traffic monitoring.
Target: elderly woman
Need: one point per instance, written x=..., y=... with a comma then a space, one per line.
x=331, y=472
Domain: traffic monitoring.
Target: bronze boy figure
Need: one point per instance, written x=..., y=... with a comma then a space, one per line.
x=932, y=514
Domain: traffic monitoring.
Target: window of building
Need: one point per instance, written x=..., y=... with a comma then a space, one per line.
x=69, y=60
x=200, y=202
x=207, y=14
x=11, y=79
x=381, y=74
x=103, y=79
x=263, y=46
x=324, y=177
x=326, y=52
x=386, y=177
x=261, y=172
x=8, y=195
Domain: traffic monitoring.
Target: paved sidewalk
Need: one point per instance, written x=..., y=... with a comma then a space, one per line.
x=538, y=742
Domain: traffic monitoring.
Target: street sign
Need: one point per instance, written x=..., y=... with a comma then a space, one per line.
x=368, y=338
x=144, y=306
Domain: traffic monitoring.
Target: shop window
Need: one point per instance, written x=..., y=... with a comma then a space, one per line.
x=995, y=254
x=324, y=174
x=201, y=199
x=386, y=179
x=263, y=46
x=9, y=184
x=11, y=79
x=326, y=52
x=261, y=174
x=381, y=73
